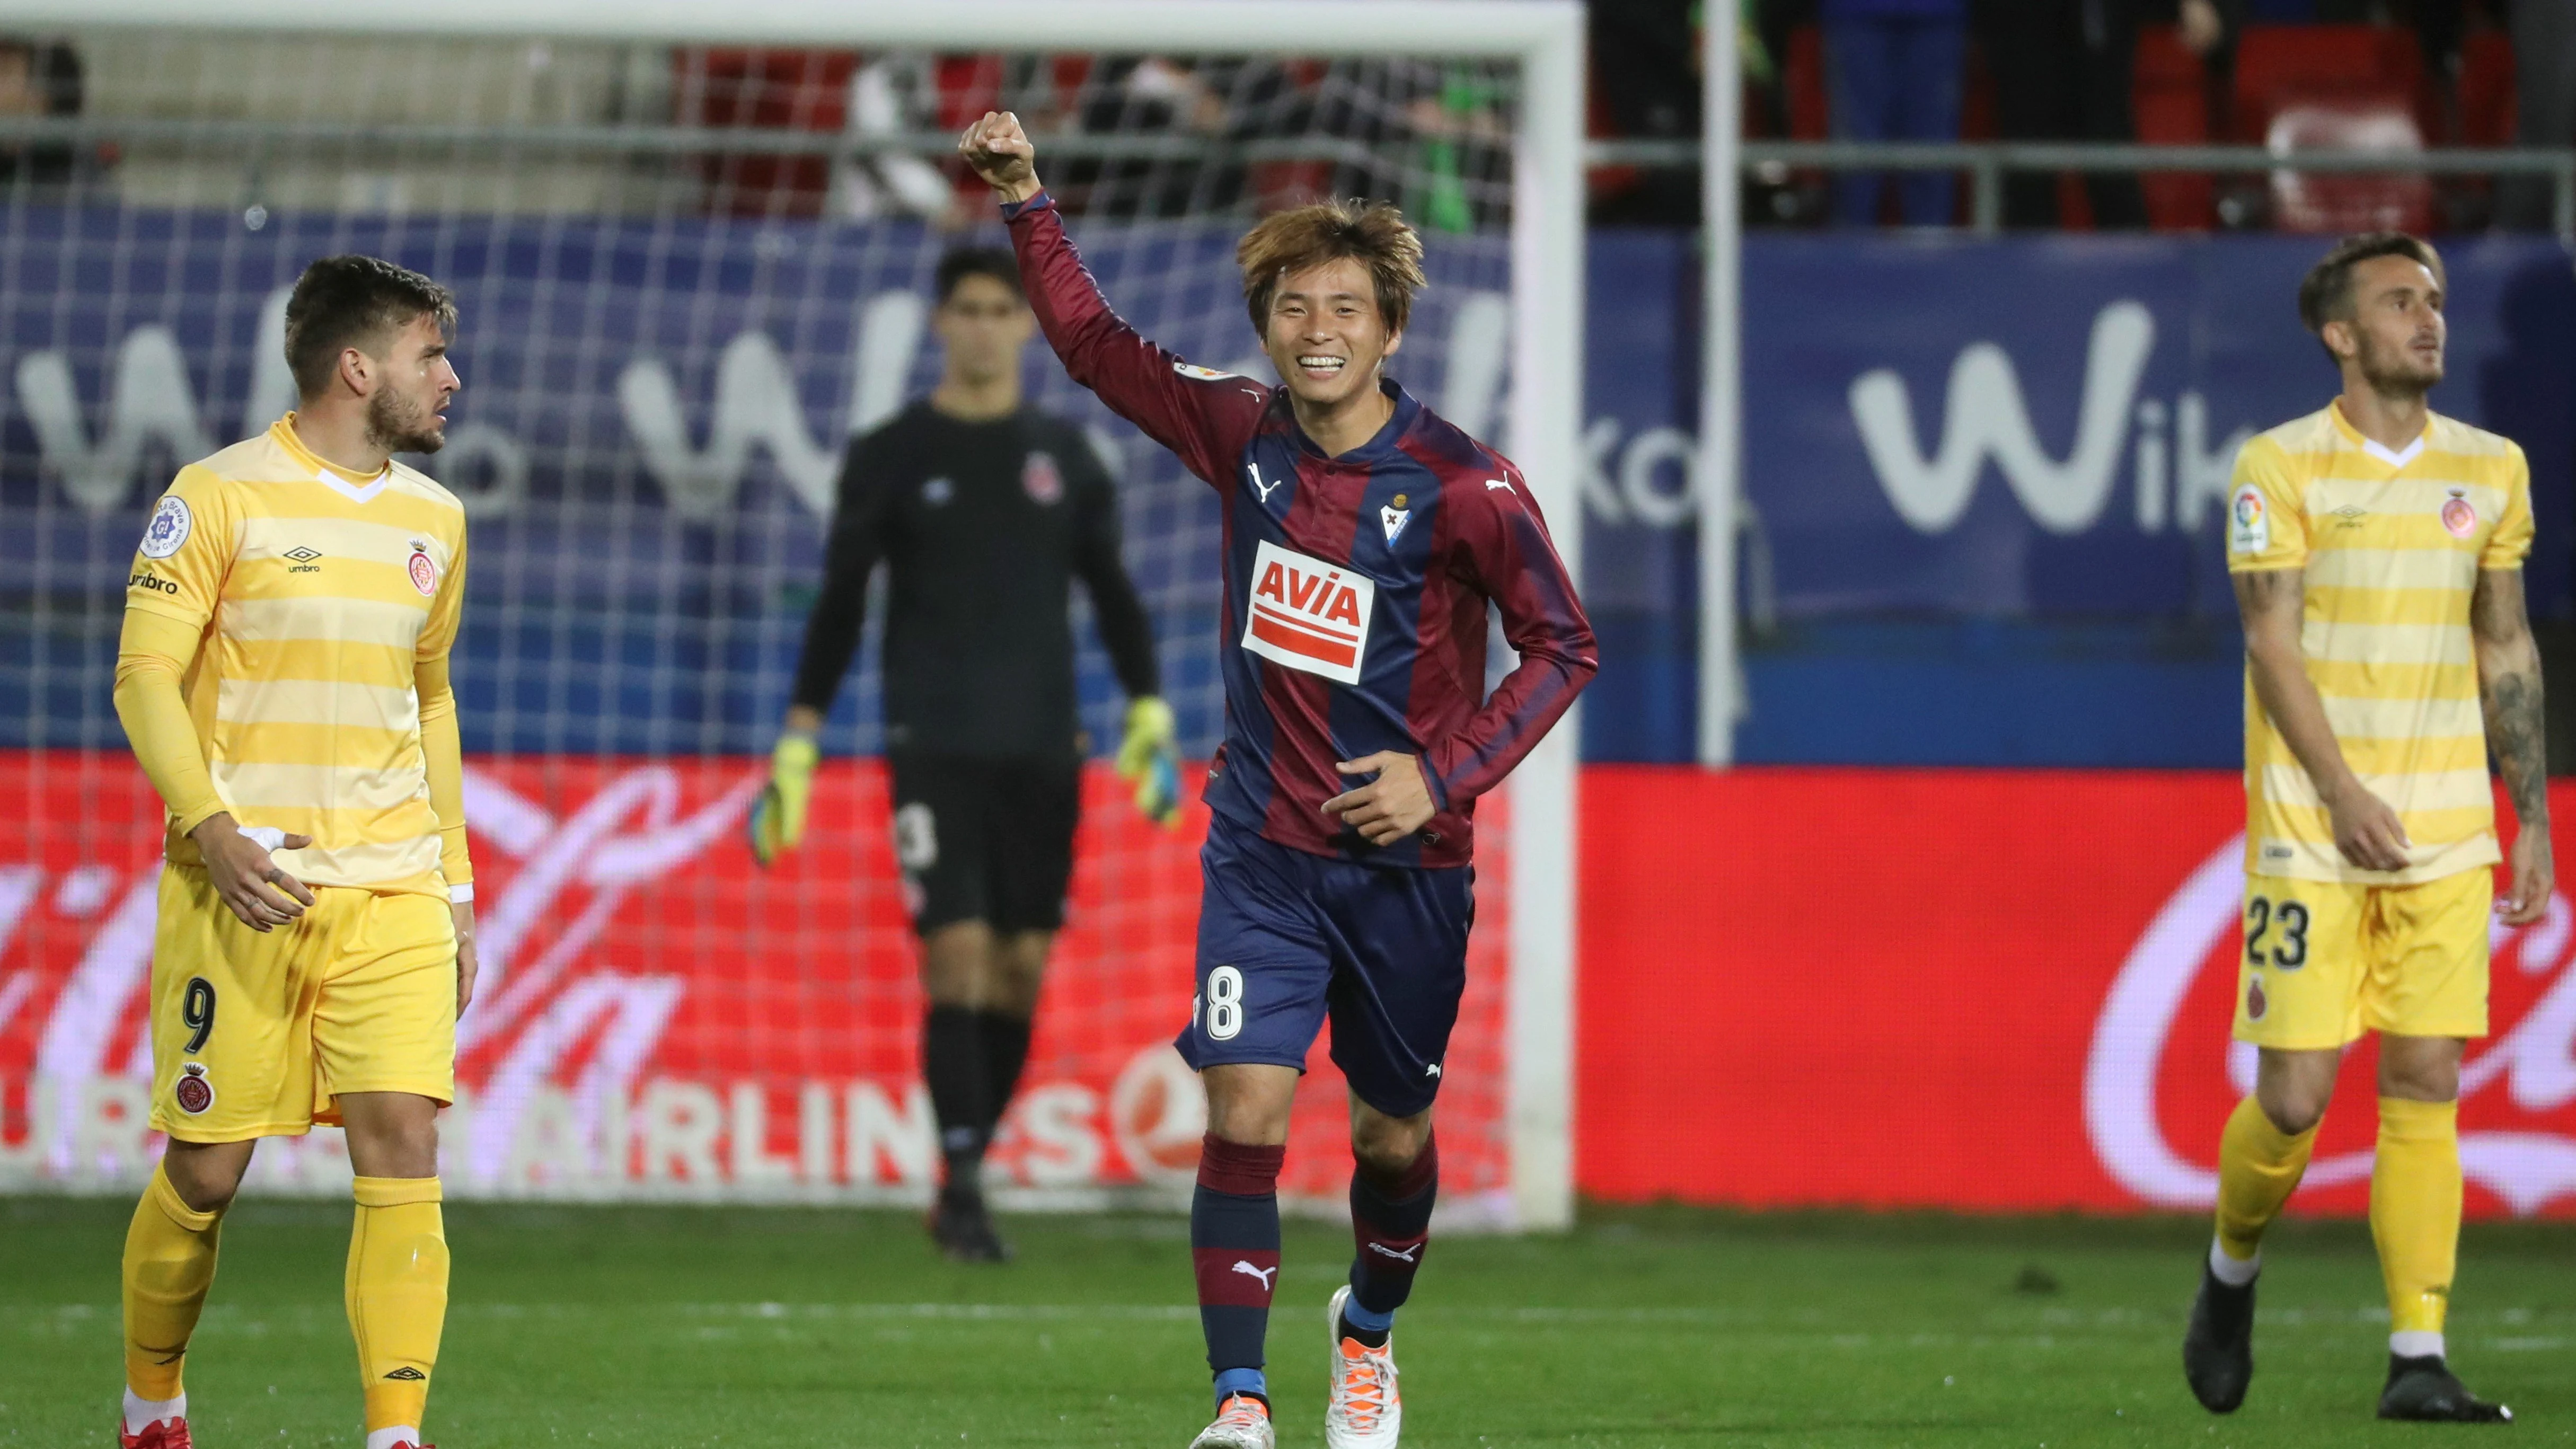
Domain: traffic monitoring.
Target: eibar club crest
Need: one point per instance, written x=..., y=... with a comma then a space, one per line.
x=424, y=572
x=1041, y=479
x=1394, y=516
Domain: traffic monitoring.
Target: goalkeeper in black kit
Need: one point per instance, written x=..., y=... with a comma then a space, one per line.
x=984, y=510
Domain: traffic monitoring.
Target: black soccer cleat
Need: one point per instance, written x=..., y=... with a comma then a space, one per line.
x=2218, y=1348
x=2425, y=1391
x=964, y=1230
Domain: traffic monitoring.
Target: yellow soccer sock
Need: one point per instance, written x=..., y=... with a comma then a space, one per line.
x=2259, y=1165
x=397, y=1294
x=169, y=1265
x=2415, y=1216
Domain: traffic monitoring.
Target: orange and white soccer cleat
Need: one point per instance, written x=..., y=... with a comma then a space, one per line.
x=170, y=1433
x=1242, y=1422
x=1366, y=1412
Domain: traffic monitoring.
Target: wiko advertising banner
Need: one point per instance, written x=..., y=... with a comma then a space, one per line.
x=1982, y=990
x=2046, y=426
x=2004, y=436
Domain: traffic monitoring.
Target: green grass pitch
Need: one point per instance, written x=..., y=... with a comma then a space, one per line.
x=651, y=1327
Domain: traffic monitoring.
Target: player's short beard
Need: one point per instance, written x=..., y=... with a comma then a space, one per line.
x=2394, y=372
x=399, y=425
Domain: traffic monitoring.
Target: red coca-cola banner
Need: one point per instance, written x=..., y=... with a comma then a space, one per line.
x=1979, y=990
x=660, y=1016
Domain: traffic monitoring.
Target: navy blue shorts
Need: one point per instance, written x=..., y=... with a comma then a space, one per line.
x=1287, y=938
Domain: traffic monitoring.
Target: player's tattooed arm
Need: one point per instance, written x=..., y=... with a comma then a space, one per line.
x=2273, y=603
x=2509, y=692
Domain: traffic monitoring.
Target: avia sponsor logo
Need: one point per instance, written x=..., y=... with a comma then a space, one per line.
x=2189, y=951
x=1308, y=614
x=1985, y=420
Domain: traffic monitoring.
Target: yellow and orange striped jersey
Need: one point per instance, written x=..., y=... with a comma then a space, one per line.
x=2390, y=544
x=317, y=597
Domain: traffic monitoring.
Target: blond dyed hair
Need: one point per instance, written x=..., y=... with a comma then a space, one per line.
x=1372, y=233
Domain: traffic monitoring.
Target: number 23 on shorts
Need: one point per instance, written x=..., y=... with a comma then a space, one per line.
x=2283, y=925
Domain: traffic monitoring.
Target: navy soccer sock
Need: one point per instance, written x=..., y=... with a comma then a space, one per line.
x=1391, y=1222
x=952, y=1062
x=1234, y=1245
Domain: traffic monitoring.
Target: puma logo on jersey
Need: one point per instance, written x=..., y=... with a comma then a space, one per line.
x=1307, y=614
x=1493, y=483
x=1249, y=1271
x=1264, y=488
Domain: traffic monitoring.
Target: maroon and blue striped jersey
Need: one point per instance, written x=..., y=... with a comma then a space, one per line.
x=1356, y=586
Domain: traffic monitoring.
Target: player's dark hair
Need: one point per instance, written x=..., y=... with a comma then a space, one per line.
x=964, y=262
x=2325, y=294
x=1373, y=233
x=354, y=301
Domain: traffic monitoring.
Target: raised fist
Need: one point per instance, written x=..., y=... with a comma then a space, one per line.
x=999, y=151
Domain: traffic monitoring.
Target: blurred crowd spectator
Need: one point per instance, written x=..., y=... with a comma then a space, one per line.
x=1894, y=68
x=2395, y=75
x=1247, y=134
x=39, y=78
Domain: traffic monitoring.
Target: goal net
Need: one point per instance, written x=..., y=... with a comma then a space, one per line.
x=692, y=257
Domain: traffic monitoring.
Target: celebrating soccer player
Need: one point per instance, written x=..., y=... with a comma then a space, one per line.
x=2377, y=549
x=984, y=510
x=283, y=680
x=1364, y=540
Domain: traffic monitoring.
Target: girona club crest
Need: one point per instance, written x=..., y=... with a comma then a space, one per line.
x=2162, y=1072
x=1041, y=479
x=192, y=1091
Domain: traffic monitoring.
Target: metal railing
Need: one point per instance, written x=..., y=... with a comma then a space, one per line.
x=1988, y=162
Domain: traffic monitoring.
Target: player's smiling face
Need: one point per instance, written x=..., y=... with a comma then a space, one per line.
x=2397, y=332
x=407, y=411
x=1327, y=336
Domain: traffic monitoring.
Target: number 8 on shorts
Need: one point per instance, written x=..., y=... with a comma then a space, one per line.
x=1224, y=1020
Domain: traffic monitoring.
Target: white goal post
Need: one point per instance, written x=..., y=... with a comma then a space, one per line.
x=1544, y=38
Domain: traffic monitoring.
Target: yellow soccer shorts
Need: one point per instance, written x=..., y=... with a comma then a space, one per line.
x=255, y=1034
x=2324, y=961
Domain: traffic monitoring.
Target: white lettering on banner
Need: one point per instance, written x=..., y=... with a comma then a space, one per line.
x=149, y=400
x=1307, y=614
x=1985, y=418
x=754, y=1165
x=1055, y=1122
x=905, y=1139
x=2536, y=1058
x=680, y=1124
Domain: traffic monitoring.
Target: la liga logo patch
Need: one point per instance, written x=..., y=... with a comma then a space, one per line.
x=193, y=1092
x=424, y=573
x=2249, y=523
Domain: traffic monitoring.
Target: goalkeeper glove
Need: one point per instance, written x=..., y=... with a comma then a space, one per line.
x=778, y=816
x=1150, y=757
